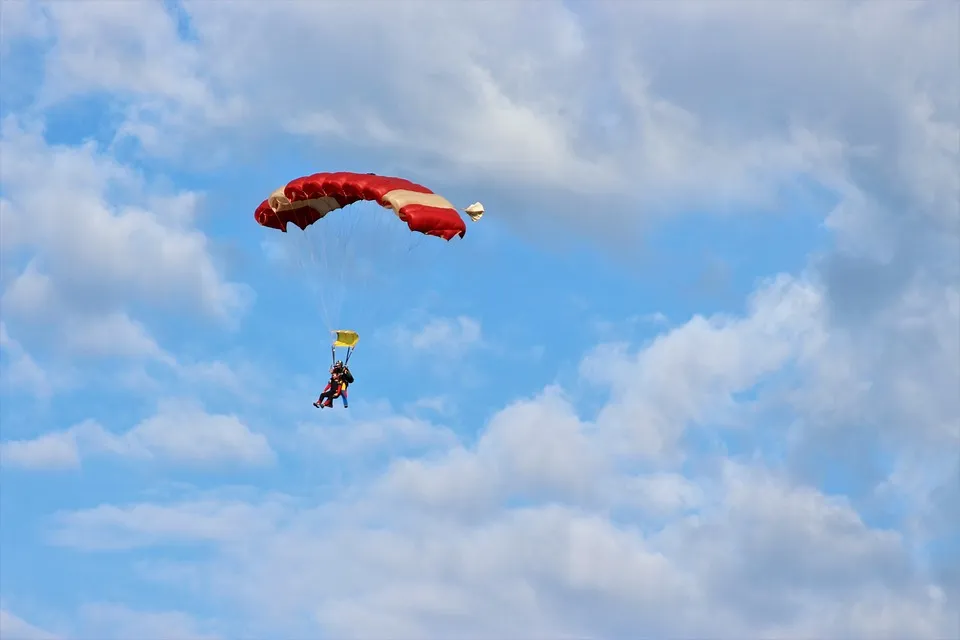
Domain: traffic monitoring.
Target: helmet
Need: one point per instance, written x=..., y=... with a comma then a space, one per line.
x=338, y=364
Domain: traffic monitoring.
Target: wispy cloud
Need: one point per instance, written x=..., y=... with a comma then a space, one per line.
x=447, y=338
x=177, y=433
x=393, y=434
x=118, y=622
x=16, y=628
x=21, y=371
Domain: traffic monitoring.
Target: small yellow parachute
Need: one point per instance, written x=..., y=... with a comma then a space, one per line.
x=345, y=338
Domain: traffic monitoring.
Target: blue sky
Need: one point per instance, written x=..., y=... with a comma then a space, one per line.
x=693, y=374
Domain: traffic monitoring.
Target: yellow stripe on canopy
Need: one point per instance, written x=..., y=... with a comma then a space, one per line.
x=345, y=338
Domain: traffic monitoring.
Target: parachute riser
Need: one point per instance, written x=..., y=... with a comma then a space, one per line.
x=333, y=355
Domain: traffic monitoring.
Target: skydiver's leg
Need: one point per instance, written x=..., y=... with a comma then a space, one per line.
x=343, y=396
x=324, y=399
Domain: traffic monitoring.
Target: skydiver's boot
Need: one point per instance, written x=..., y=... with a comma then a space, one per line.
x=316, y=404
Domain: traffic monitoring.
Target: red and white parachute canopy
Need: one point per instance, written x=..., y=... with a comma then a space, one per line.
x=305, y=200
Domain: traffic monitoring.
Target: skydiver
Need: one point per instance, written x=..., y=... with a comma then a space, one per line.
x=332, y=389
x=346, y=379
x=340, y=379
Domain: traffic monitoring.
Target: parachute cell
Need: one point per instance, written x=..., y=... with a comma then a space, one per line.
x=306, y=200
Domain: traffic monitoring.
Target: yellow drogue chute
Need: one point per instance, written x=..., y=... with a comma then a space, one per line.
x=346, y=339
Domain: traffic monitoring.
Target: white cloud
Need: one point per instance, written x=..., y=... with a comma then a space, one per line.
x=16, y=628
x=690, y=374
x=548, y=569
x=440, y=405
x=22, y=372
x=550, y=522
x=49, y=451
x=113, y=334
x=478, y=94
x=178, y=433
x=115, y=621
x=534, y=449
x=96, y=252
x=392, y=434
x=187, y=433
x=234, y=379
x=596, y=541
x=21, y=21
x=658, y=494
x=111, y=621
x=111, y=527
x=447, y=338
x=102, y=252
x=490, y=93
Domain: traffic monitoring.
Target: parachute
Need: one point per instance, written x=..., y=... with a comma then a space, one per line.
x=336, y=243
x=306, y=200
x=346, y=339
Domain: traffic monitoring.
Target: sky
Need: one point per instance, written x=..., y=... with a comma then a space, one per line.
x=694, y=374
